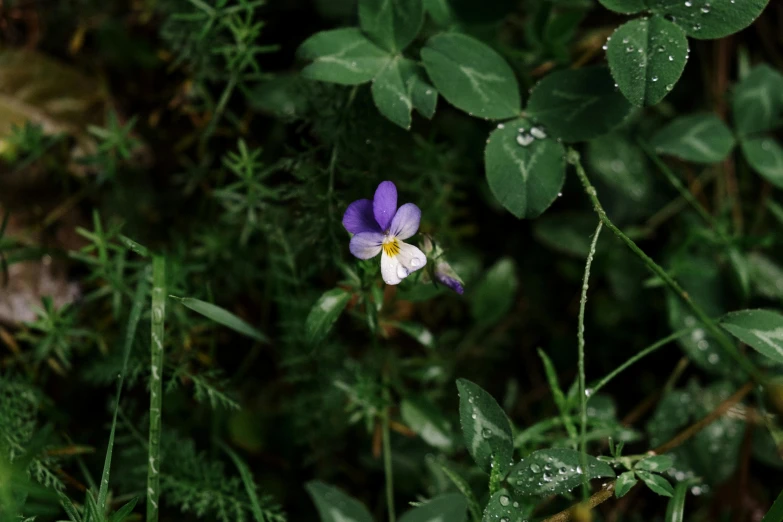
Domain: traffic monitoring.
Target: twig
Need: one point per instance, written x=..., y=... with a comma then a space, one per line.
x=608, y=489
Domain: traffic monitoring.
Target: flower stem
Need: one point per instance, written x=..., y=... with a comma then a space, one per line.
x=387, y=456
x=581, y=348
x=726, y=343
x=156, y=388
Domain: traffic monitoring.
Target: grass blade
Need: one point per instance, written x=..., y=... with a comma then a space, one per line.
x=156, y=385
x=247, y=480
x=775, y=513
x=222, y=316
x=130, y=334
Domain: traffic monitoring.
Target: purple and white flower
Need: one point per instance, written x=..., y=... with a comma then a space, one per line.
x=379, y=227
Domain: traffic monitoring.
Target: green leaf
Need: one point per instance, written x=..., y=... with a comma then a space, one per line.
x=656, y=483
x=624, y=6
x=324, y=313
x=247, y=480
x=462, y=485
x=647, y=57
x=335, y=506
x=624, y=483
x=392, y=24
x=423, y=95
x=775, y=513
x=765, y=156
x=578, y=104
x=701, y=278
x=525, y=173
x=700, y=138
x=554, y=471
x=762, y=330
x=657, y=463
x=619, y=162
x=567, y=232
x=766, y=276
x=451, y=507
x=391, y=95
x=757, y=101
x=69, y=508
x=485, y=427
x=222, y=316
x=424, y=418
x=503, y=506
x=342, y=56
x=471, y=76
x=125, y=511
x=708, y=19
x=493, y=296
x=675, y=510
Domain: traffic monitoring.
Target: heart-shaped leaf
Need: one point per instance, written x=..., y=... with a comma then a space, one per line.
x=525, y=173
x=700, y=138
x=647, y=57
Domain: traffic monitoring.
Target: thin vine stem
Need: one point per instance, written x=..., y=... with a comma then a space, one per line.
x=581, y=347
x=156, y=386
x=642, y=354
x=726, y=343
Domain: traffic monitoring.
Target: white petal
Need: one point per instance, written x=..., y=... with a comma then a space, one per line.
x=396, y=268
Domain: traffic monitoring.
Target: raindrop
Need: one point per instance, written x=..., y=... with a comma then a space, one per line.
x=561, y=470
x=688, y=3
x=504, y=500
x=669, y=87
x=703, y=345
x=625, y=40
x=486, y=433
x=655, y=78
x=697, y=27
x=402, y=271
x=714, y=358
x=538, y=132
x=503, y=519
x=705, y=9
x=629, y=49
x=473, y=416
x=415, y=262
x=671, y=58
x=516, y=504
x=605, y=47
x=535, y=468
x=525, y=139
x=588, y=392
x=579, y=470
x=560, y=194
x=547, y=467
x=500, y=126
x=428, y=91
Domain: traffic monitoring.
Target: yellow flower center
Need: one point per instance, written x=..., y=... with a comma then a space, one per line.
x=391, y=247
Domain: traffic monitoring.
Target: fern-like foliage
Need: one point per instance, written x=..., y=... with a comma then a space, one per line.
x=200, y=485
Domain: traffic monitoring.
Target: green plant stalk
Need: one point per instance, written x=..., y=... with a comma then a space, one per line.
x=156, y=385
x=130, y=335
x=581, y=347
x=642, y=354
x=723, y=340
x=387, y=457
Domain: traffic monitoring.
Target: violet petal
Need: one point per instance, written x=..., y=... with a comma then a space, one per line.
x=359, y=217
x=366, y=245
x=406, y=221
x=384, y=204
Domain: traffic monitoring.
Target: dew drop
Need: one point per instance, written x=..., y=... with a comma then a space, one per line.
x=538, y=133
x=688, y=3
x=655, y=78
x=486, y=433
x=525, y=139
x=504, y=500
x=671, y=58
x=402, y=272
x=535, y=468
x=415, y=262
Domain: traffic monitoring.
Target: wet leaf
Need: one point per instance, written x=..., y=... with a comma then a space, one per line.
x=554, y=471
x=762, y=330
x=324, y=313
x=624, y=483
x=392, y=24
x=524, y=173
x=656, y=483
x=485, y=427
x=647, y=57
x=708, y=19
